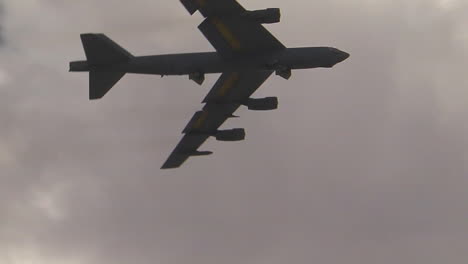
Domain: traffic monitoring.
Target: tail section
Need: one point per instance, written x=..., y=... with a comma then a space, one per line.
x=103, y=55
x=100, y=82
x=101, y=50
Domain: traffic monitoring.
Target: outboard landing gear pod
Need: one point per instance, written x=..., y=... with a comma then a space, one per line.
x=197, y=77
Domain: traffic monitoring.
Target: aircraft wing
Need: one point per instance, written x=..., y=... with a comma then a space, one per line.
x=228, y=93
x=230, y=30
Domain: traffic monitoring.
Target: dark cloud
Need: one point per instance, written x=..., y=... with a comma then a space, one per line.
x=362, y=163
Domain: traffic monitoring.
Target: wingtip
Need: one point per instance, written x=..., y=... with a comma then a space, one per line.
x=85, y=36
x=168, y=165
x=190, y=5
x=165, y=167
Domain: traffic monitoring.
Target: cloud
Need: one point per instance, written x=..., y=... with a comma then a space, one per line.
x=362, y=162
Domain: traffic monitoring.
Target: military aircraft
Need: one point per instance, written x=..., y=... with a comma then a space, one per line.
x=246, y=55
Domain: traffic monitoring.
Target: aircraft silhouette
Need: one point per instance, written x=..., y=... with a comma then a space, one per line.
x=246, y=55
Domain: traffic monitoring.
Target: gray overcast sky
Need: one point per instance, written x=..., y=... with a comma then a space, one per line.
x=362, y=163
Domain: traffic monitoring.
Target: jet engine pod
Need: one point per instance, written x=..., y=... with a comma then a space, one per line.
x=264, y=16
x=236, y=134
x=262, y=104
x=197, y=77
x=198, y=153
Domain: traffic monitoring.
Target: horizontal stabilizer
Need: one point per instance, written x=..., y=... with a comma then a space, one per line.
x=101, y=82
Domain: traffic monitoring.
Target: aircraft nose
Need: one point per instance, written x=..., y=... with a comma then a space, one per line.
x=343, y=56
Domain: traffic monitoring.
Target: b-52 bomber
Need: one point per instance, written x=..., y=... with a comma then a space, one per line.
x=246, y=55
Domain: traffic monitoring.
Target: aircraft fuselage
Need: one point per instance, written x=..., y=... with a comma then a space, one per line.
x=211, y=62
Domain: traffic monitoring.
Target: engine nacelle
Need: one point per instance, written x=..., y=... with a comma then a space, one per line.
x=262, y=104
x=198, y=153
x=264, y=16
x=236, y=134
x=197, y=77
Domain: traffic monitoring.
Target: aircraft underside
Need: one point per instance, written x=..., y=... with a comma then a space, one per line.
x=246, y=56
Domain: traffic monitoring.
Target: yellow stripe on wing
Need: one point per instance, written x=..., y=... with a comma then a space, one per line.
x=227, y=34
x=231, y=80
x=201, y=2
x=200, y=120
